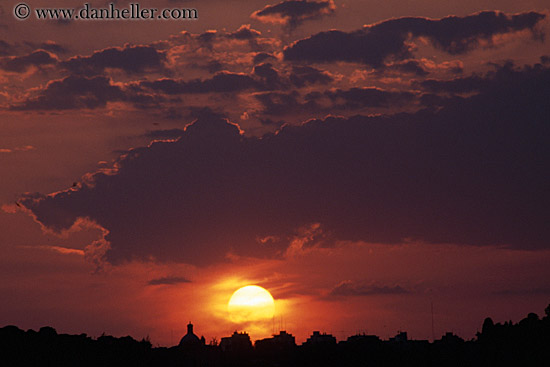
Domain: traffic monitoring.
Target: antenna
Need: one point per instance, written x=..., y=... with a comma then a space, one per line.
x=432, y=309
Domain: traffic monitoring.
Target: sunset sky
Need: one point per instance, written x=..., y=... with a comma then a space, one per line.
x=361, y=160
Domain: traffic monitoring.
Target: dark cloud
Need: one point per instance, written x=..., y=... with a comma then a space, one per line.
x=207, y=38
x=169, y=281
x=29, y=47
x=285, y=103
x=304, y=75
x=269, y=76
x=51, y=46
x=20, y=64
x=165, y=134
x=375, y=44
x=74, y=92
x=472, y=172
x=222, y=82
x=356, y=98
x=130, y=59
x=455, y=86
x=414, y=67
x=212, y=66
x=245, y=32
x=261, y=57
x=504, y=77
x=292, y=13
x=270, y=122
x=350, y=289
x=77, y=92
x=6, y=48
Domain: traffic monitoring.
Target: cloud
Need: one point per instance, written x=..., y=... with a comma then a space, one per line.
x=165, y=134
x=58, y=249
x=168, y=281
x=6, y=48
x=261, y=57
x=414, y=67
x=350, y=289
x=269, y=76
x=73, y=92
x=305, y=75
x=130, y=59
x=245, y=32
x=20, y=64
x=291, y=103
x=293, y=13
x=389, y=40
x=281, y=103
x=82, y=92
x=50, y=46
x=356, y=98
x=222, y=82
x=472, y=172
x=24, y=148
x=455, y=86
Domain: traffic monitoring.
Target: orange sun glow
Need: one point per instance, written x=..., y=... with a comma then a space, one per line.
x=251, y=303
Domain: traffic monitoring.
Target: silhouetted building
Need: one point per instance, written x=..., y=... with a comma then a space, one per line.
x=190, y=340
x=450, y=338
x=320, y=339
x=363, y=339
x=236, y=343
x=400, y=337
x=282, y=343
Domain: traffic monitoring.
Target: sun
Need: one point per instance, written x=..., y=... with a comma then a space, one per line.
x=251, y=303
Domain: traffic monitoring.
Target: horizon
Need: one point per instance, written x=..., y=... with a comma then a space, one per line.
x=216, y=339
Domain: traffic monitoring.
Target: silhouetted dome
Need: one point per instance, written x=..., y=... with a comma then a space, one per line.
x=190, y=338
x=488, y=326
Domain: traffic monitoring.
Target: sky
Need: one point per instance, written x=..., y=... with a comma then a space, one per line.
x=366, y=162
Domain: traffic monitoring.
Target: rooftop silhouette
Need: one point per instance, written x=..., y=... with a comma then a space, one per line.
x=498, y=344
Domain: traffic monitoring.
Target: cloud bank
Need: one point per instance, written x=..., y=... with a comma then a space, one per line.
x=391, y=39
x=469, y=171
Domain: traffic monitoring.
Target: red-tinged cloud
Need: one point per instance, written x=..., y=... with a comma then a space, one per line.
x=81, y=92
x=353, y=99
x=20, y=64
x=292, y=13
x=414, y=67
x=389, y=40
x=470, y=172
x=307, y=75
x=356, y=98
x=50, y=46
x=245, y=32
x=222, y=82
x=5, y=48
x=286, y=103
x=130, y=59
x=73, y=92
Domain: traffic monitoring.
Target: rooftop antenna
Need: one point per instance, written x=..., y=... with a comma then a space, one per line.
x=432, y=309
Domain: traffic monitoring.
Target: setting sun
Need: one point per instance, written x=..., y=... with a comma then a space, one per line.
x=251, y=303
